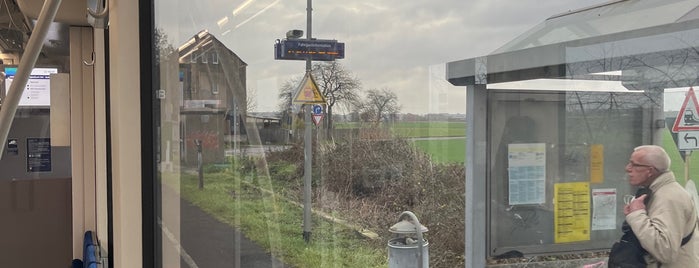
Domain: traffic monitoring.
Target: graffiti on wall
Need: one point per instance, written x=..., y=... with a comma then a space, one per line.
x=209, y=138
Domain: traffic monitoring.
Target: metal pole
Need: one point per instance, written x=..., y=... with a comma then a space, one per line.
x=200, y=164
x=687, y=156
x=418, y=230
x=308, y=152
x=26, y=64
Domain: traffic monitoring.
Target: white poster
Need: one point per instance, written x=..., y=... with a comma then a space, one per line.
x=603, y=209
x=526, y=173
x=37, y=92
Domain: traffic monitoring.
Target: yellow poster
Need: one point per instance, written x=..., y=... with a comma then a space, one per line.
x=597, y=163
x=571, y=212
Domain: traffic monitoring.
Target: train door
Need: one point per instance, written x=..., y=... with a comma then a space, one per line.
x=35, y=185
x=52, y=174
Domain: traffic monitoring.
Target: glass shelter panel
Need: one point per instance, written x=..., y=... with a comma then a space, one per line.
x=557, y=166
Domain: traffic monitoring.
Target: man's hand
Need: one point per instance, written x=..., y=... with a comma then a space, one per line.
x=636, y=204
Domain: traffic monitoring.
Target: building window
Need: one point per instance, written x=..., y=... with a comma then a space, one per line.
x=214, y=57
x=214, y=89
x=203, y=57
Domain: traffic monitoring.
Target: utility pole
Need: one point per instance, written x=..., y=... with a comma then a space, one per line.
x=309, y=50
x=308, y=152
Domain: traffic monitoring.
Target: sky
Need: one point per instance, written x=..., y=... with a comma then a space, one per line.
x=399, y=45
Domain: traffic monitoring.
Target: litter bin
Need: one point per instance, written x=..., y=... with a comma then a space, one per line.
x=408, y=249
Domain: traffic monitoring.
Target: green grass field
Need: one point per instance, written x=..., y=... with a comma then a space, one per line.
x=454, y=150
x=429, y=129
x=419, y=129
x=445, y=150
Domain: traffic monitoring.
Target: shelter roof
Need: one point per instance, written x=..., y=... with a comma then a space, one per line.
x=637, y=43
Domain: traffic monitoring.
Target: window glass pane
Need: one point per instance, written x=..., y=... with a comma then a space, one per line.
x=240, y=157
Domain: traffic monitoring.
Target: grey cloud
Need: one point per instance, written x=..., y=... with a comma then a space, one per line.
x=389, y=43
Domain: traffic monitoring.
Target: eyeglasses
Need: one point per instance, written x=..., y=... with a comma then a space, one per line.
x=632, y=164
x=628, y=198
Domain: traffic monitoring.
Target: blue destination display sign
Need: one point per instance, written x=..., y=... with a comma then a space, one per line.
x=302, y=49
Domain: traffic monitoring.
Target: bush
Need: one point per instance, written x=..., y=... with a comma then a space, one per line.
x=372, y=182
x=284, y=171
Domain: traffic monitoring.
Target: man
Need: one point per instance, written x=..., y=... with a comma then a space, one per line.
x=670, y=215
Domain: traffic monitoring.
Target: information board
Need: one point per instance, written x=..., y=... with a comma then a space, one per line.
x=38, y=154
x=527, y=173
x=304, y=49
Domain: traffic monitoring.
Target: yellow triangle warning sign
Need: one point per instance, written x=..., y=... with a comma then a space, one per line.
x=308, y=91
x=688, y=118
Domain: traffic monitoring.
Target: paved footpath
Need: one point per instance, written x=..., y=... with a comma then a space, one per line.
x=208, y=243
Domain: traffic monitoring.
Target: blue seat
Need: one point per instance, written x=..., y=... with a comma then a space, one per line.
x=77, y=264
x=90, y=251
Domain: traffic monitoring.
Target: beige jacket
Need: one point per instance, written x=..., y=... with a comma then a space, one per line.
x=669, y=216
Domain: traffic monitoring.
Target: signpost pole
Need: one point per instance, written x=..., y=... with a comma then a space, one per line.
x=308, y=152
x=686, y=166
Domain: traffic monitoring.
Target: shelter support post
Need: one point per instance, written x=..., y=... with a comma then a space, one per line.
x=476, y=182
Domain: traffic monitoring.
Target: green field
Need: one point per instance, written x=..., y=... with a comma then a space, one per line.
x=429, y=129
x=454, y=150
x=419, y=129
x=444, y=150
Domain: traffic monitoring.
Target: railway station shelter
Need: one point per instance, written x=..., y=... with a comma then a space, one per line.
x=553, y=115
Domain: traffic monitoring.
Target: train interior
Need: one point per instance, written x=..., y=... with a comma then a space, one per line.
x=52, y=179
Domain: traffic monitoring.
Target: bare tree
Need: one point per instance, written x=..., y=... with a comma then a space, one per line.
x=251, y=100
x=286, y=102
x=379, y=105
x=286, y=93
x=163, y=46
x=337, y=85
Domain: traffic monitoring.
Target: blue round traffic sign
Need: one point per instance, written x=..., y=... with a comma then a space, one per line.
x=317, y=109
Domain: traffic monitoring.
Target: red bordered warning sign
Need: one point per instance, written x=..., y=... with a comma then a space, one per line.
x=687, y=118
x=308, y=92
x=317, y=119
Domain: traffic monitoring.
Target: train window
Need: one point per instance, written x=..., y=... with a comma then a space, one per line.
x=371, y=127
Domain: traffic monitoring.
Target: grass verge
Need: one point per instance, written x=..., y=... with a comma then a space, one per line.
x=277, y=226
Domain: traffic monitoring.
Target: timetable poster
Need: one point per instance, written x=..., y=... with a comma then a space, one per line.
x=526, y=173
x=571, y=207
x=604, y=209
